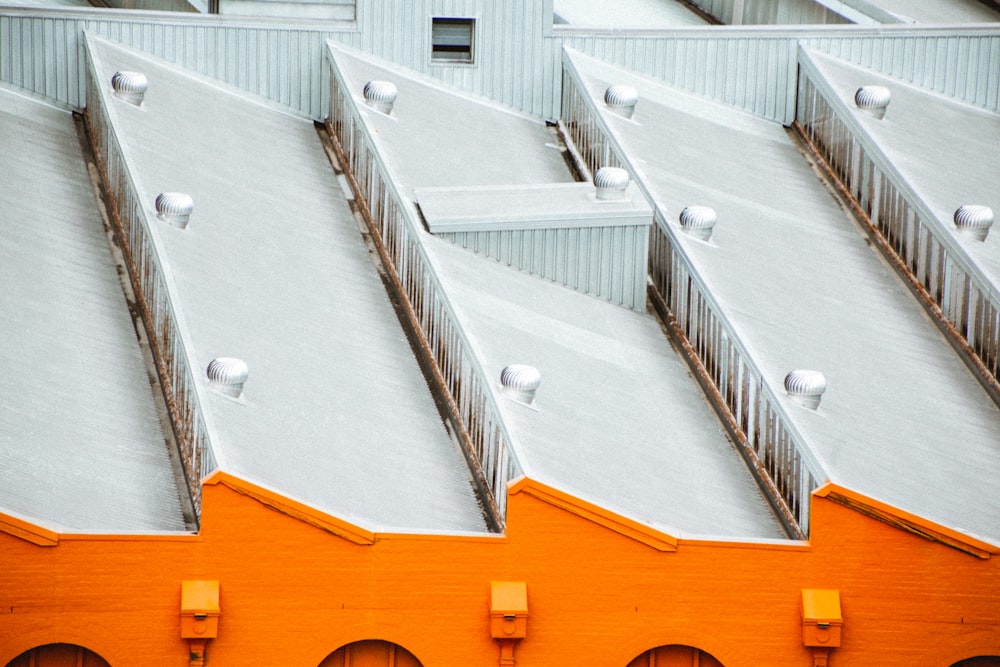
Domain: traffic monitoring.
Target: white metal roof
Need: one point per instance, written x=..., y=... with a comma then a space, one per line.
x=618, y=420
x=81, y=445
x=903, y=421
x=625, y=14
x=472, y=140
x=948, y=151
x=272, y=269
x=935, y=11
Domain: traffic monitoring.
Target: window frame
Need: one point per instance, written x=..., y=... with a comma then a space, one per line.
x=436, y=60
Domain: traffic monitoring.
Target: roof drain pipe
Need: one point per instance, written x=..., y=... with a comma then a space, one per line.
x=611, y=183
x=130, y=86
x=380, y=95
x=621, y=99
x=873, y=100
x=974, y=221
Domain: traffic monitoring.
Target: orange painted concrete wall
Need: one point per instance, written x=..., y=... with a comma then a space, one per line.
x=292, y=593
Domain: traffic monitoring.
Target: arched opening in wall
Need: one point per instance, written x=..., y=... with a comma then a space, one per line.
x=58, y=655
x=371, y=653
x=675, y=655
x=981, y=661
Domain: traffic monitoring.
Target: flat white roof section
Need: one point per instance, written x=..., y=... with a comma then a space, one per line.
x=625, y=14
x=903, y=421
x=936, y=11
x=272, y=269
x=442, y=137
x=81, y=444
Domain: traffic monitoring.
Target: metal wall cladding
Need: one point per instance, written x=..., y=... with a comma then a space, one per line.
x=517, y=57
x=608, y=262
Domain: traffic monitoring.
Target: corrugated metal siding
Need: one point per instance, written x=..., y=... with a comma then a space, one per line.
x=961, y=64
x=516, y=63
x=42, y=52
x=605, y=261
x=400, y=30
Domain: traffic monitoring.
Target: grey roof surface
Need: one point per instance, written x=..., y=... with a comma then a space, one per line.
x=619, y=421
x=272, y=269
x=429, y=119
x=625, y=13
x=81, y=445
x=903, y=420
x=939, y=11
x=948, y=151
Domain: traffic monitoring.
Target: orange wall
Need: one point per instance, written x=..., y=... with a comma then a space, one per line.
x=291, y=593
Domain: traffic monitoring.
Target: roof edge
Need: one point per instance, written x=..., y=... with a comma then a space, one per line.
x=27, y=531
x=911, y=523
x=595, y=513
x=295, y=509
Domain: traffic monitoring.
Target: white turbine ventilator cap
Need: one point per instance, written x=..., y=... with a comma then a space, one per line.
x=520, y=382
x=228, y=374
x=806, y=387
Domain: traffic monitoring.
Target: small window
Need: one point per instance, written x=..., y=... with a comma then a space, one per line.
x=451, y=40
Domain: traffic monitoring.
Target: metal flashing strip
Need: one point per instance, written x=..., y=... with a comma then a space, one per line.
x=911, y=523
x=28, y=531
x=635, y=530
x=293, y=508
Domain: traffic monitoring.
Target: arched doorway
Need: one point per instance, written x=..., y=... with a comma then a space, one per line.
x=675, y=655
x=981, y=661
x=58, y=655
x=371, y=653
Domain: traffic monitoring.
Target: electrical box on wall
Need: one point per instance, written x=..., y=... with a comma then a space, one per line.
x=509, y=609
x=199, y=609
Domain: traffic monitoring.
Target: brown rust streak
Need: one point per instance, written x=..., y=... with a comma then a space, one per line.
x=954, y=336
x=181, y=432
x=493, y=514
x=704, y=378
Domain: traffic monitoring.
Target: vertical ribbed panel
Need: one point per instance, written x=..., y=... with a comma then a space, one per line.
x=608, y=262
x=516, y=64
x=400, y=30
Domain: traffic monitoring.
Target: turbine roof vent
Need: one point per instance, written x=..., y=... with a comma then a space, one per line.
x=621, y=99
x=611, y=183
x=130, y=86
x=520, y=382
x=805, y=387
x=381, y=95
x=175, y=208
x=698, y=221
x=974, y=221
x=228, y=374
x=873, y=100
